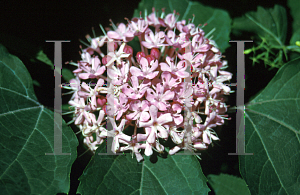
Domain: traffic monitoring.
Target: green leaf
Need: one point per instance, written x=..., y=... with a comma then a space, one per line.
x=215, y=18
x=294, y=5
x=41, y=56
x=26, y=134
x=224, y=184
x=270, y=24
x=295, y=38
x=294, y=45
x=179, y=174
x=272, y=133
x=67, y=74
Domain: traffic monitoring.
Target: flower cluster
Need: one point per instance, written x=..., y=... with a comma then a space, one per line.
x=149, y=90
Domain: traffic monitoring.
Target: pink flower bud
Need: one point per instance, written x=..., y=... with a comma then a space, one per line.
x=139, y=55
x=128, y=50
x=150, y=58
x=101, y=101
x=104, y=60
x=155, y=53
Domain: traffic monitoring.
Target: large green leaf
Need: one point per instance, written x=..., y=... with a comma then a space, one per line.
x=26, y=134
x=294, y=39
x=272, y=130
x=179, y=174
x=270, y=24
x=224, y=184
x=295, y=7
x=215, y=18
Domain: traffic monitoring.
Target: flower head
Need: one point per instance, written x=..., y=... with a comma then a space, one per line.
x=145, y=93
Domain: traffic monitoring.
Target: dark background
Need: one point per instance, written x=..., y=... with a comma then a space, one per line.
x=25, y=26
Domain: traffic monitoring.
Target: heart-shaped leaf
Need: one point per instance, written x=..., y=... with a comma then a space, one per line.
x=270, y=24
x=224, y=184
x=272, y=131
x=178, y=174
x=215, y=18
x=26, y=134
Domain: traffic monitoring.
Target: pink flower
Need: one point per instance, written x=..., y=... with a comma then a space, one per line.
x=170, y=21
x=116, y=56
x=208, y=137
x=138, y=26
x=160, y=97
x=81, y=111
x=134, y=146
x=188, y=28
x=119, y=76
x=156, y=124
x=75, y=86
x=200, y=43
x=89, y=141
x=194, y=60
x=117, y=134
x=152, y=40
x=119, y=105
x=184, y=94
x=178, y=70
x=122, y=33
x=140, y=109
x=175, y=111
x=170, y=81
x=146, y=71
x=175, y=41
x=137, y=90
x=87, y=91
x=92, y=72
x=153, y=20
x=180, y=25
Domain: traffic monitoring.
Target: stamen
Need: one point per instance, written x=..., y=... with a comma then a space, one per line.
x=66, y=113
x=84, y=43
x=177, y=17
x=83, y=153
x=102, y=29
x=88, y=37
x=94, y=34
x=70, y=122
x=193, y=18
x=127, y=20
x=67, y=92
x=145, y=15
x=113, y=25
x=163, y=13
x=210, y=32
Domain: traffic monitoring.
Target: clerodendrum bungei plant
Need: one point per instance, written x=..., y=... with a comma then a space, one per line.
x=147, y=90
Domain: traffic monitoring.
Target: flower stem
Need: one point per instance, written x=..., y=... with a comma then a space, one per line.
x=135, y=128
x=142, y=48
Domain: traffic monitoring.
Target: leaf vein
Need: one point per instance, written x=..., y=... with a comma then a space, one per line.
x=262, y=27
x=260, y=137
x=157, y=179
x=274, y=119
